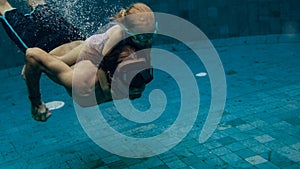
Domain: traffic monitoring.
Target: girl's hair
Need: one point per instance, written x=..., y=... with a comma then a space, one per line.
x=142, y=10
x=133, y=9
x=121, y=51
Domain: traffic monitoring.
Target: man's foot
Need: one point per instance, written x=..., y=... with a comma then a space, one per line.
x=23, y=72
x=4, y=5
x=40, y=112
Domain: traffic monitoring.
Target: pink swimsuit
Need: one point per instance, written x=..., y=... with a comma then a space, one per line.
x=94, y=48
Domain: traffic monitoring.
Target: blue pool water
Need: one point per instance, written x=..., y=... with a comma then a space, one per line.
x=259, y=126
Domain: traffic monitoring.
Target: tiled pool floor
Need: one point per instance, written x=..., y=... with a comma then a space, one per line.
x=260, y=127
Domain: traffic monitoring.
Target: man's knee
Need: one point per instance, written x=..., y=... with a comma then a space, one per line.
x=34, y=3
x=4, y=6
x=32, y=55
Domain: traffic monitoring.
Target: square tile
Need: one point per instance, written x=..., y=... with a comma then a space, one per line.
x=267, y=165
x=259, y=123
x=245, y=127
x=195, y=162
x=226, y=140
x=254, y=160
x=136, y=166
x=131, y=161
x=231, y=131
x=264, y=138
x=117, y=164
x=176, y=164
x=275, y=144
x=235, y=146
x=278, y=159
x=290, y=153
x=296, y=146
x=191, y=160
x=236, y=122
x=212, y=145
x=182, y=153
x=253, y=133
x=240, y=136
x=231, y=158
x=221, y=151
x=250, y=143
x=282, y=125
x=111, y=159
x=294, y=121
x=218, y=135
x=158, y=167
x=228, y=117
x=290, y=140
x=153, y=162
x=11, y=165
x=293, y=166
x=245, y=153
x=215, y=162
x=260, y=149
x=198, y=149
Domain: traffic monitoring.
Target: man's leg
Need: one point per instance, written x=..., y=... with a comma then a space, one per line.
x=4, y=5
x=38, y=61
x=33, y=74
x=34, y=3
x=42, y=28
x=68, y=53
x=19, y=27
x=39, y=111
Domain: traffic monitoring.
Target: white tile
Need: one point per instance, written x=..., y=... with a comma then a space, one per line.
x=296, y=146
x=254, y=160
x=264, y=138
x=245, y=127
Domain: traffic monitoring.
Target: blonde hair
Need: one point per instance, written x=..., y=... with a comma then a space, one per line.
x=120, y=52
x=133, y=9
x=144, y=12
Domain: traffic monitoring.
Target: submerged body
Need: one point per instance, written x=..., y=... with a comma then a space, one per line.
x=83, y=68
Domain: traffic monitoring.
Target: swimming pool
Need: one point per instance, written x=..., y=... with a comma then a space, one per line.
x=259, y=126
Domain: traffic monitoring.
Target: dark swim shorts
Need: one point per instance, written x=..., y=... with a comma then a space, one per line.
x=41, y=28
